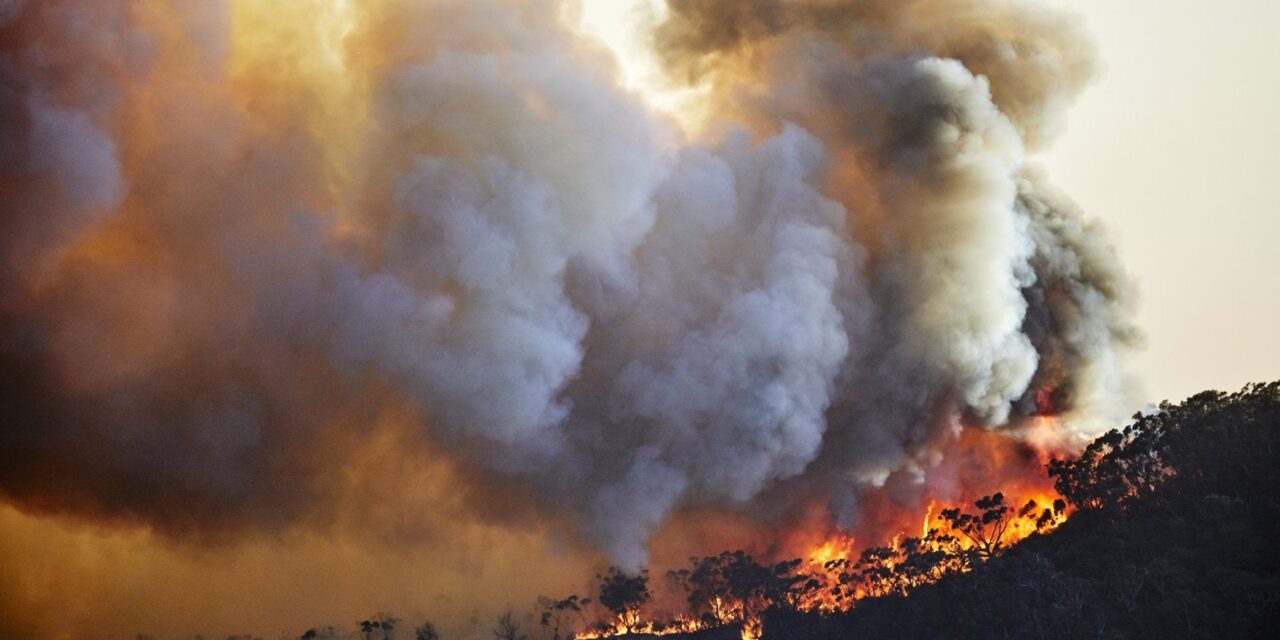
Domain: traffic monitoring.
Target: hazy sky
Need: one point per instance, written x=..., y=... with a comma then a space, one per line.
x=1176, y=148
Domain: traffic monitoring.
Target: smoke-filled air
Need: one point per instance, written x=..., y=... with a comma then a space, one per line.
x=308, y=301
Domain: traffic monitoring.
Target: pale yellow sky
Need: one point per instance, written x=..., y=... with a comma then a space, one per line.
x=1176, y=148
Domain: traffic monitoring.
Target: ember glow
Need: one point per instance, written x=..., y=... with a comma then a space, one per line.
x=407, y=279
x=843, y=567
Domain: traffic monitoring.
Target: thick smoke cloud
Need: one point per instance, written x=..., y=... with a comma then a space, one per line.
x=979, y=275
x=233, y=230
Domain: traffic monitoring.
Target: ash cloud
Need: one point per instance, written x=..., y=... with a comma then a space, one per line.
x=224, y=242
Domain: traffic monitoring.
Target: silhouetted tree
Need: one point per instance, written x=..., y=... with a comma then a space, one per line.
x=706, y=589
x=756, y=587
x=426, y=631
x=733, y=586
x=506, y=628
x=558, y=615
x=387, y=624
x=985, y=529
x=380, y=625
x=623, y=594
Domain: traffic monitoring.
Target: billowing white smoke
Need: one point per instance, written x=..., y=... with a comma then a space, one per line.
x=716, y=365
x=195, y=289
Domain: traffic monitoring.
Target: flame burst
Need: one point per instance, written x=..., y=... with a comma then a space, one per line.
x=838, y=563
x=828, y=562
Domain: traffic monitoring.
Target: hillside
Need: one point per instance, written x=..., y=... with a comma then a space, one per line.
x=1173, y=534
x=1175, y=538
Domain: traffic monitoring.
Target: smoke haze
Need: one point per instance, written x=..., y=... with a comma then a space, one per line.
x=384, y=275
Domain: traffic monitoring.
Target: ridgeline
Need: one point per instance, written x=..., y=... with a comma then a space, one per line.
x=1176, y=537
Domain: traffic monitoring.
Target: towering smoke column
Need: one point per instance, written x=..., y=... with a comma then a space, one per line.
x=232, y=230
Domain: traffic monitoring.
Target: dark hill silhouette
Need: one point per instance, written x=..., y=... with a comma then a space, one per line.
x=1176, y=537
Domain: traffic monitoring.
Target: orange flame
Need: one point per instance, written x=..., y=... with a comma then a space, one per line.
x=982, y=463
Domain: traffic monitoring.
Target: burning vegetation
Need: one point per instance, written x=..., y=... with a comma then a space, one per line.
x=1145, y=500
x=734, y=590
x=383, y=275
x=893, y=551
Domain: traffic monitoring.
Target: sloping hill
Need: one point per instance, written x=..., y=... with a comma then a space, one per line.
x=1176, y=537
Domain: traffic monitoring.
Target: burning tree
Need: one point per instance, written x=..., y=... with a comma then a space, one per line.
x=1180, y=541
x=1045, y=518
x=985, y=529
x=706, y=589
x=623, y=594
x=1117, y=467
x=907, y=563
x=932, y=557
x=889, y=570
x=734, y=587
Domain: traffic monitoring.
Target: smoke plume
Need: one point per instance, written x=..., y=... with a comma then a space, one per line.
x=235, y=232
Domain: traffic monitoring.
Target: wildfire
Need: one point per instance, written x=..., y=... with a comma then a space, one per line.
x=648, y=627
x=751, y=629
x=951, y=541
x=1002, y=479
x=840, y=546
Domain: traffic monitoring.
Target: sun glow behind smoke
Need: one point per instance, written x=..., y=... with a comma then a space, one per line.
x=287, y=52
x=620, y=25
